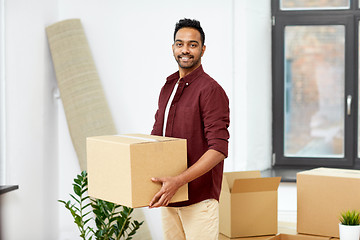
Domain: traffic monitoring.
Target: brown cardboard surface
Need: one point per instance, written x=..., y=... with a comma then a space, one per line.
x=225, y=224
x=322, y=194
x=230, y=177
x=223, y=237
x=120, y=167
x=297, y=237
x=280, y=236
x=255, y=185
x=248, y=205
x=334, y=172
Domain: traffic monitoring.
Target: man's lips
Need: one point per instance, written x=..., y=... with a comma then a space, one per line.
x=185, y=58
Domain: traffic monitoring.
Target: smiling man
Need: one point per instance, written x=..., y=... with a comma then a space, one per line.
x=193, y=106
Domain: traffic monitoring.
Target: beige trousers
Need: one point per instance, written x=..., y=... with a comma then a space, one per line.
x=195, y=222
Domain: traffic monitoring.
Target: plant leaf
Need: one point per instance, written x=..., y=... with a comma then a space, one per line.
x=77, y=190
x=74, y=198
x=78, y=181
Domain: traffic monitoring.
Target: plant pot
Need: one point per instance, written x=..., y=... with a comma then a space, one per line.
x=349, y=232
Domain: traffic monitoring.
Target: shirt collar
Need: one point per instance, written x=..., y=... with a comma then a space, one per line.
x=188, y=78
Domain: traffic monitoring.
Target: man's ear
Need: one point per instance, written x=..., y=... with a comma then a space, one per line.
x=203, y=50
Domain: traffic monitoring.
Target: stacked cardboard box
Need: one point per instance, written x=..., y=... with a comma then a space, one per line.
x=120, y=167
x=248, y=204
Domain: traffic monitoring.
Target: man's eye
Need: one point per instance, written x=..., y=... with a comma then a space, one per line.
x=178, y=44
x=193, y=45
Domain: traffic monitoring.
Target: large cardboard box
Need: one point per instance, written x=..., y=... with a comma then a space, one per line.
x=120, y=167
x=248, y=204
x=322, y=194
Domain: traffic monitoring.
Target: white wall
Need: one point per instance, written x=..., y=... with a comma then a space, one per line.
x=251, y=118
x=31, y=211
x=131, y=43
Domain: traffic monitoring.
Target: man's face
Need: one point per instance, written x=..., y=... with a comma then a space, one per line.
x=188, y=49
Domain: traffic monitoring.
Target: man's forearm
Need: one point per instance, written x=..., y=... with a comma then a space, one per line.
x=207, y=161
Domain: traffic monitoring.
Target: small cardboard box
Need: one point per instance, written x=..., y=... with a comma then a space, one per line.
x=282, y=236
x=322, y=194
x=120, y=167
x=248, y=204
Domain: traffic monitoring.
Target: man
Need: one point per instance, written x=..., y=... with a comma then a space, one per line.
x=193, y=106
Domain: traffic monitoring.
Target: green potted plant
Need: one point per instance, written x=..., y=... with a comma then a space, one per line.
x=349, y=226
x=113, y=222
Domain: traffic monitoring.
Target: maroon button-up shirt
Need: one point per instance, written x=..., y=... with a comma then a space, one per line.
x=199, y=113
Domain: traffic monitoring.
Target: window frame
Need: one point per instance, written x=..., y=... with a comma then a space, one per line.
x=350, y=19
x=2, y=96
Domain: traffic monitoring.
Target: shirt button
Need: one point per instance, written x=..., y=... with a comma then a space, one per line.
x=187, y=83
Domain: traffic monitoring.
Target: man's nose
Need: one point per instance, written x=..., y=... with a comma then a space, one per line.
x=185, y=50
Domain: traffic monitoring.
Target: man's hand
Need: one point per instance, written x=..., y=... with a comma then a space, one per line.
x=170, y=185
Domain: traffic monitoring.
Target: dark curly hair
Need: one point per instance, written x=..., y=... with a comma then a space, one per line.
x=190, y=23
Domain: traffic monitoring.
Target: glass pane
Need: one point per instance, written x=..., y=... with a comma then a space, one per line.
x=314, y=91
x=314, y=4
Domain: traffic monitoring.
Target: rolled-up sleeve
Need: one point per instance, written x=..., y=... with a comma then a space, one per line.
x=216, y=116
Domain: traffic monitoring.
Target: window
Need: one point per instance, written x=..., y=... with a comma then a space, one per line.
x=314, y=4
x=315, y=83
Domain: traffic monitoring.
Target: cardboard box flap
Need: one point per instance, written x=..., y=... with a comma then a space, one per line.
x=256, y=184
x=333, y=172
x=154, y=137
x=230, y=177
x=143, y=138
x=132, y=138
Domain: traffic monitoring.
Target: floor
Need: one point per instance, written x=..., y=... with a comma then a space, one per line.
x=287, y=222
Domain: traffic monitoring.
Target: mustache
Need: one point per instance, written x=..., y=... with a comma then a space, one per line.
x=185, y=55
